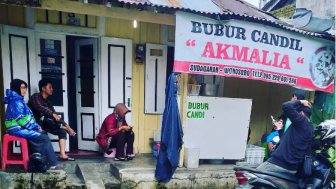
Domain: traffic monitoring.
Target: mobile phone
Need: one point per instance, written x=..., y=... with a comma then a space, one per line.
x=273, y=119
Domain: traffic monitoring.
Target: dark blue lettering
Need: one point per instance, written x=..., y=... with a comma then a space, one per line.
x=196, y=27
x=240, y=33
x=219, y=30
x=253, y=35
x=227, y=31
x=284, y=42
x=205, y=26
x=274, y=40
x=264, y=38
x=297, y=45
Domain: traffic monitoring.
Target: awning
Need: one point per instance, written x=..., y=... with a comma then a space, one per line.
x=235, y=48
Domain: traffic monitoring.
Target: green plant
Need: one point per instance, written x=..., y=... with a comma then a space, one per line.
x=318, y=116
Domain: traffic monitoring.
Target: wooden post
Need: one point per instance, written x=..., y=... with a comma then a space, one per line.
x=311, y=96
x=183, y=110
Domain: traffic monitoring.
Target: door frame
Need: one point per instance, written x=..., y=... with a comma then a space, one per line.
x=60, y=110
x=78, y=32
x=6, y=56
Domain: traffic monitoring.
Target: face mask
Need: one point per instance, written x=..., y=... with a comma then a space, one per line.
x=119, y=119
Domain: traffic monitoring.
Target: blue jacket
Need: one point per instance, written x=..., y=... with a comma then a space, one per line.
x=271, y=136
x=270, y=139
x=19, y=119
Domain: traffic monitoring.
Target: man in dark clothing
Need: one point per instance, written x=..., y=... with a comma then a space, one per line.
x=41, y=106
x=298, y=94
x=294, y=143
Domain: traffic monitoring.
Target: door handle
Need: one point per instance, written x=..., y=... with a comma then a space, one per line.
x=128, y=102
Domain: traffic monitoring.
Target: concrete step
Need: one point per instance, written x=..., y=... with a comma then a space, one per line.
x=109, y=181
x=82, y=175
x=74, y=178
x=91, y=176
x=182, y=178
x=74, y=182
x=52, y=179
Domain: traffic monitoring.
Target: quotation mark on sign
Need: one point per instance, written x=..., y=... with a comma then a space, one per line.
x=299, y=60
x=192, y=43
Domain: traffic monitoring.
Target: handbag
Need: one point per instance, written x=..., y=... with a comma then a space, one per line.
x=305, y=168
x=50, y=124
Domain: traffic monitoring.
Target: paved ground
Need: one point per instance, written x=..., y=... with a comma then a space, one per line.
x=98, y=173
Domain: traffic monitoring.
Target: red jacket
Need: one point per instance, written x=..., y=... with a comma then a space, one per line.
x=109, y=126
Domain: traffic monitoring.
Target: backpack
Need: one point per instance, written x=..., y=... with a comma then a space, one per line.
x=37, y=163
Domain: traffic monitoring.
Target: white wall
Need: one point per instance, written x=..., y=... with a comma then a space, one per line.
x=320, y=8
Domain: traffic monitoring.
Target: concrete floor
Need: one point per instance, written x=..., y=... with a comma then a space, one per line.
x=99, y=173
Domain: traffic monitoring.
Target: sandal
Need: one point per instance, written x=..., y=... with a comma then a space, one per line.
x=120, y=159
x=66, y=159
x=130, y=157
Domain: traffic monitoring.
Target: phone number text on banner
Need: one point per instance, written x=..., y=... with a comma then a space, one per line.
x=241, y=72
x=253, y=51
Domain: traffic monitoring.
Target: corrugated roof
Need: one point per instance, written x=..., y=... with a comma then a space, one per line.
x=200, y=5
x=241, y=7
x=135, y=2
x=237, y=8
x=29, y=3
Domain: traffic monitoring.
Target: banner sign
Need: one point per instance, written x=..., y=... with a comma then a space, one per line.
x=235, y=48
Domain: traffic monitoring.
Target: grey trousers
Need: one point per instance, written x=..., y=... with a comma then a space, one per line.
x=267, y=166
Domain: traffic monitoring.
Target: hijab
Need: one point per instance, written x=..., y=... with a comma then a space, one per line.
x=120, y=110
x=15, y=85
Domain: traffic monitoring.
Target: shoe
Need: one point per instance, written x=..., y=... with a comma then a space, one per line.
x=57, y=167
x=130, y=157
x=52, y=167
x=120, y=159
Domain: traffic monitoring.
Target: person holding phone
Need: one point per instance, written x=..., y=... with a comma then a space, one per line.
x=274, y=137
x=281, y=126
x=115, y=133
x=291, y=150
